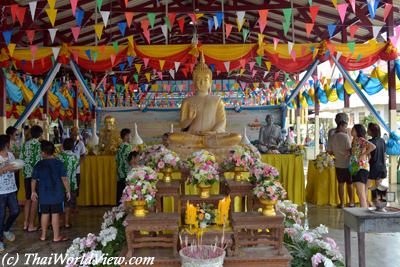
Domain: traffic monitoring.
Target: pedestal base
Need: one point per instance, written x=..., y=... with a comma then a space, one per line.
x=185, y=152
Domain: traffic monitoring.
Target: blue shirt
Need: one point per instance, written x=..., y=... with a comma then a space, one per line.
x=50, y=188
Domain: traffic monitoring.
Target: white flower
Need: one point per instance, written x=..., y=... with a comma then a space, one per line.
x=321, y=229
x=207, y=216
x=107, y=235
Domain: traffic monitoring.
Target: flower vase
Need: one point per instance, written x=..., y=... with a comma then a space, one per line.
x=204, y=190
x=139, y=208
x=238, y=174
x=167, y=174
x=268, y=208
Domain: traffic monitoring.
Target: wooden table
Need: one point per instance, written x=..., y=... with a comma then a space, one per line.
x=252, y=222
x=240, y=189
x=164, y=189
x=363, y=221
x=152, y=222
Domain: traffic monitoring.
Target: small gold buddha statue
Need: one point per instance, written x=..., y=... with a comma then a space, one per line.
x=109, y=139
x=202, y=116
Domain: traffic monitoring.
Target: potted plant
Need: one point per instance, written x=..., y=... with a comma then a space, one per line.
x=238, y=161
x=269, y=192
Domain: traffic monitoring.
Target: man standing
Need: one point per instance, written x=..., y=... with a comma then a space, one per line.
x=339, y=145
x=80, y=151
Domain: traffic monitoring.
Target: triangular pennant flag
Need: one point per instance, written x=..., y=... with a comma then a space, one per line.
x=129, y=17
x=241, y=72
x=338, y=55
x=136, y=77
x=98, y=28
x=215, y=22
x=177, y=64
x=359, y=58
x=254, y=72
x=33, y=49
x=130, y=40
x=262, y=21
x=56, y=51
x=171, y=19
x=145, y=61
x=99, y=4
x=276, y=76
x=31, y=35
x=313, y=12
x=210, y=24
x=52, y=33
x=160, y=75
x=287, y=13
x=388, y=7
x=265, y=74
x=121, y=66
x=220, y=16
x=79, y=13
x=342, y=8
x=372, y=6
x=331, y=29
x=95, y=54
x=245, y=34
x=112, y=58
x=73, y=6
x=293, y=54
x=146, y=34
x=148, y=76
x=164, y=29
x=52, y=3
x=115, y=46
x=268, y=65
x=122, y=27
x=303, y=50
x=33, y=63
x=172, y=73
x=240, y=18
x=353, y=5
x=276, y=41
x=88, y=54
x=353, y=28
x=32, y=8
x=290, y=47
x=199, y=15
x=394, y=39
x=124, y=78
x=21, y=15
x=309, y=27
x=286, y=26
x=227, y=64
x=181, y=23
x=334, y=2
x=152, y=17
x=13, y=9
x=75, y=54
x=105, y=15
x=351, y=46
x=130, y=60
x=75, y=32
x=144, y=24
x=51, y=13
x=192, y=16
x=228, y=29
x=376, y=30
x=11, y=48
x=162, y=62
x=259, y=60
x=242, y=63
x=251, y=65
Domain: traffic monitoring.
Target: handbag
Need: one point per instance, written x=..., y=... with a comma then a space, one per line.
x=393, y=144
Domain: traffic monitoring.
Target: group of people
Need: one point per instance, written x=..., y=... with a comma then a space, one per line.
x=358, y=161
x=51, y=182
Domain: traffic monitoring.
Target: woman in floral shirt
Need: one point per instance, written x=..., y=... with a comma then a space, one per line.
x=359, y=161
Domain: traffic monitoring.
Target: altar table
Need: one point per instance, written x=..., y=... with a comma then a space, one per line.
x=363, y=221
x=322, y=187
x=98, y=179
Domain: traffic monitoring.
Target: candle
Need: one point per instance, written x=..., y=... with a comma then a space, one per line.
x=190, y=214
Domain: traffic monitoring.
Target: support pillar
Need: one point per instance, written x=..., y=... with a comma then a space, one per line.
x=346, y=95
x=76, y=109
x=316, y=108
x=298, y=121
x=94, y=115
x=3, y=103
x=392, y=97
x=45, y=116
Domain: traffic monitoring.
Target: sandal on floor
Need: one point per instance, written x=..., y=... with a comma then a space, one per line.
x=62, y=239
x=67, y=226
x=41, y=239
x=33, y=231
x=352, y=205
x=340, y=206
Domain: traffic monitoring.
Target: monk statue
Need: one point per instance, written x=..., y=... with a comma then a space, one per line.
x=202, y=116
x=109, y=139
x=270, y=135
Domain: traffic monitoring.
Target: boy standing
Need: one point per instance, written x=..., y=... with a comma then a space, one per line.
x=122, y=161
x=71, y=163
x=52, y=176
x=30, y=154
x=8, y=189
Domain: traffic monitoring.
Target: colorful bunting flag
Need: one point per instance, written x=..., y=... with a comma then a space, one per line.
x=353, y=28
x=242, y=63
x=75, y=32
x=254, y=72
x=130, y=60
x=172, y=73
x=162, y=62
x=388, y=8
x=265, y=74
x=219, y=16
x=309, y=27
x=56, y=51
x=287, y=13
x=121, y=66
x=251, y=65
x=146, y=34
x=21, y=15
x=331, y=29
x=145, y=61
x=227, y=65
x=99, y=4
x=88, y=54
x=51, y=13
x=160, y=75
x=313, y=12
x=376, y=30
x=11, y=48
x=334, y=2
x=164, y=29
x=245, y=34
x=342, y=8
x=171, y=18
x=122, y=27
x=152, y=17
x=52, y=3
x=112, y=58
x=372, y=6
x=136, y=77
x=33, y=49
x=115, y=46
x=52, y=33
x=353, y=5
x=240, y=18
x=130, y=40
x=228, y=29
x=98, y=28
x=129, y=17
x=13, y=9
x=241, y=72
x=177, y=64
x=210, y=24
x=144, y=24
x=31, y=35
x=262, y=21
x=276, y=41
x=351, y=46
x=268, y=65
x=148, y=76
x=181, y=23
x=32, y=8
x=73, y=6
x=105, y=15
x=79, y=17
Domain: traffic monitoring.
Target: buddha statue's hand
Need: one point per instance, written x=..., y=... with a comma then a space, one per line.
x=207, y=132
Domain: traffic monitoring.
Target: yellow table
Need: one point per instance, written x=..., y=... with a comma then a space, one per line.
x=322, y=187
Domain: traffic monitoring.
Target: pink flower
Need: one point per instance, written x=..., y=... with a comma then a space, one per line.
x=290, y=231
x=317, y=259
x=161, y=165
x=308, y=237
x=332, y=243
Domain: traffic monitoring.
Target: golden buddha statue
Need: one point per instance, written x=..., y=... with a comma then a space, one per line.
x=202, y=116
x=109, y=139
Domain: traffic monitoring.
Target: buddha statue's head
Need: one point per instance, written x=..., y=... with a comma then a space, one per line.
x=269, y=120
x=202, y=76
x=109, y=123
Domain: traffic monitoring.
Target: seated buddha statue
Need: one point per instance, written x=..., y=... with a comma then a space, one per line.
x=109, y=139
x=202, y=116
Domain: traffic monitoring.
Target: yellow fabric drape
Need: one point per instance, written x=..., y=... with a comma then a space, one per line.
x=283, y=49
x=103, y=53
x=26, y=54
x=227, y=52
x=161, y=51
x=383, y=78
x=331, y=93
x=365, y=50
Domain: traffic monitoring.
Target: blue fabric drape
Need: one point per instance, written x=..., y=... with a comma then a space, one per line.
x=13, y=92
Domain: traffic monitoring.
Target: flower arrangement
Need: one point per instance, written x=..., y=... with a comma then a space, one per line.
x=143, y=174
x=270, y=189
x=291, y=212
x=238, y=158
x=324, y=160
x=261, y=171
x=252, y=150
x=141, y=190
x=298, y=150
x=159, y=157
x=205, y=215
x=203, y=168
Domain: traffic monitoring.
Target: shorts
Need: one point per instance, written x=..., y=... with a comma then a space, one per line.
x=377, y=173
x=51, y=208
x=361, y=176
x=343, y=175
x=28, y=189
x=72, y=202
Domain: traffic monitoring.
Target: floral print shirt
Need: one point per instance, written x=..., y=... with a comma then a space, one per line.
x=30, y=154
x=358, y=148
x=122, y=160
x=71, y=163
x=7, y=180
